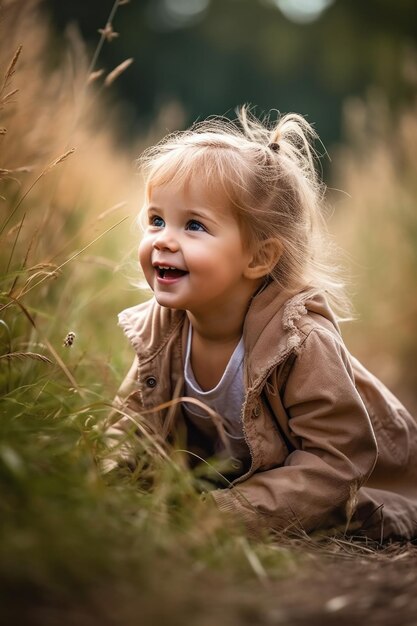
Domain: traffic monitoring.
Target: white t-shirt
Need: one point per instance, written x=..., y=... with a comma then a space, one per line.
x=226, y=399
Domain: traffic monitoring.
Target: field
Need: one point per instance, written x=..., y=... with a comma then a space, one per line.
x=80, y=547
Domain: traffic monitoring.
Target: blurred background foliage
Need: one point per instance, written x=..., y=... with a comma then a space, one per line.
x=204, y=57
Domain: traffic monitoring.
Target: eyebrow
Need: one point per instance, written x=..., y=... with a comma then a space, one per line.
x=202, y=214
x=198, y=213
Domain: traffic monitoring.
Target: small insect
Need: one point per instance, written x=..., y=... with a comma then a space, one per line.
x=69, y=339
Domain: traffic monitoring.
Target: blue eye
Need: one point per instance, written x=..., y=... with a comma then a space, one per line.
x=195, y=226
x=156, y=221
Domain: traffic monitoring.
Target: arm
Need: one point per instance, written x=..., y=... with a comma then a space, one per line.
x=335, y=447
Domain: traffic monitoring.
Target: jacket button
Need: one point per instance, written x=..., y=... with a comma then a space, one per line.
x=150, y=382
x=256, y=412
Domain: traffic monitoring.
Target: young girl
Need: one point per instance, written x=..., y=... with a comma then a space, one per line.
x=242, y=332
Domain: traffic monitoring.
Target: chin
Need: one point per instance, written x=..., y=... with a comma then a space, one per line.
x=167, y=302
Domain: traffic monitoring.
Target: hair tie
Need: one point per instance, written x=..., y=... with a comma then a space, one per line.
x=273, y=146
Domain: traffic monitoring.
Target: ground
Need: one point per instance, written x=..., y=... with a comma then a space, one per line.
x=331, y=585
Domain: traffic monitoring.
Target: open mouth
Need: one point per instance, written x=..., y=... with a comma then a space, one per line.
x=169, y=272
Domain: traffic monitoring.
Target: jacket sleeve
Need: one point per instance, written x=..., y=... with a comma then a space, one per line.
x=335, y=447
x=120, y=422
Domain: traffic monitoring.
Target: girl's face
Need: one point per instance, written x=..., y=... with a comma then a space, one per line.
x=192, y=252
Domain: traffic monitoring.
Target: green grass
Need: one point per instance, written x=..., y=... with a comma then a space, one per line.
x=68, y=530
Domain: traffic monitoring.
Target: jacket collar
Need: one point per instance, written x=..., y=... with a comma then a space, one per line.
x=271, y=331
x=149, y=327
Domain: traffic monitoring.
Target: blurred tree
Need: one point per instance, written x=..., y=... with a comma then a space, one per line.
x=209, y=56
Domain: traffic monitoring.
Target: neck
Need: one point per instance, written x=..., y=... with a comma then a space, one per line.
x=218, y=330
x=225, y=326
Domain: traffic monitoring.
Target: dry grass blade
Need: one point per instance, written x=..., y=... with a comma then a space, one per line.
x=15, y=242
x=61, y=158
x=74, y=256
x=218, y=422
x=9, y=96
x=94, y=76
x=41, y=274
x=4, y=173
x=24, y=169
x=11, y=68
x=23, y=293
x=49, y=346
x=113, y=75
x=102, y=38
x=13, y=229
x=113, y=208
x=92, y=65
x=100, y=261
x=143, y=431
x=26, y=355
x=253, y=560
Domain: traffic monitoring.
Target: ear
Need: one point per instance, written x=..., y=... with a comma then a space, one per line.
x=266, y=255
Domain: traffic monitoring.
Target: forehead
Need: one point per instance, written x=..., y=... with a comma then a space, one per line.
x=192, y=194
x=197, y=187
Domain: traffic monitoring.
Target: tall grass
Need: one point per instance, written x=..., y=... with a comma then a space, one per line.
x=376, y=223
x=53, y=207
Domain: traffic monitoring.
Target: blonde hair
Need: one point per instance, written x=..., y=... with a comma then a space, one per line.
x=267, y=173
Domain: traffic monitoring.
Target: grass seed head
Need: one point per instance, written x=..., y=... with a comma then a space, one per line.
x=12, y=66
x=108, y=33
x=113, y=75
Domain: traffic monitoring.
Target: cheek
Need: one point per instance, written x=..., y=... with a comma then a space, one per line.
x=144, y=252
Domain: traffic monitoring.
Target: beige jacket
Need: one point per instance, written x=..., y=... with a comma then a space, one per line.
x=330, y=446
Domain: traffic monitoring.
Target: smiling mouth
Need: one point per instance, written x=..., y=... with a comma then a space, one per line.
x=169, y=272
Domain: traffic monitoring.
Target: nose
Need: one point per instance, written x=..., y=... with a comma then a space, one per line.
x=166, y=240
